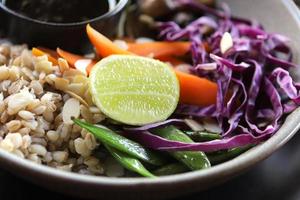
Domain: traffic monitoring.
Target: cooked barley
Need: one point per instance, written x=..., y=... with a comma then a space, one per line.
x=52, y=136
x=37, y=87
x=39, y=110
x=37, y=102
x=24, y=131
x=15, y=138
x=39, y=140
x=48, y=157
x=4, y=117
x=26, y=141
x=38, y=149
x=67, y=168
x=4, y=73
x=7, y=145
x=14, y=73
x=19, y=153
x=60, y=156
x=90, y=141
x=26, y=115
x=32, y=124
x=2, y=107
x=13, y=125
x=86, y=114
x=35, y=158
x=81, y=147
x=19, y=101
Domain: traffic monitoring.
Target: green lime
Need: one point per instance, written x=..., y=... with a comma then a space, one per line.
x=134, y=90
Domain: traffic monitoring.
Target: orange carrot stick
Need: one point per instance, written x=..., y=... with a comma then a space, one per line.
x=70, y=57
x=159, y=49
x=103, y=45
x=193, y=89
x=51, y=52
x=79, y=62
x=38, y=52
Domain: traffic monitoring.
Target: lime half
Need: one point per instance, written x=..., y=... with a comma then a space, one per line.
x=134, y=90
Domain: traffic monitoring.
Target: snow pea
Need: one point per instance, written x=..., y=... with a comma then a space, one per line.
x=194, y=160
x=173, y=168
x=200, y=136
x=129, y=162
x=222, y=156
x=121, y=143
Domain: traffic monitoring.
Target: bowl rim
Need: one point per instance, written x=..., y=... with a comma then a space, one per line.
x=120, y=5
x=249, y=158
x=288, y=129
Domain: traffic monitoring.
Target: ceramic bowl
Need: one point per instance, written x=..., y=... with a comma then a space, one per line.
x=277, y=16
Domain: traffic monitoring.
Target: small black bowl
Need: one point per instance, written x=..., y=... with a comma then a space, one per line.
x=70, y=36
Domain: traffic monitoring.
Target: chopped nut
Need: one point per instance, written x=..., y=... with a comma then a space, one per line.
x=226, y=42
x=70, y=109
x=63, y=65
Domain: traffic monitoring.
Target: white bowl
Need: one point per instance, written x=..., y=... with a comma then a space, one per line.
x=280, y=16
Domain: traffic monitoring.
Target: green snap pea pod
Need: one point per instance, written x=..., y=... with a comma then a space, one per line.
x=200, y=136
x=174, y=168
x=129, y=162
x=222, y=156
x=121, y=143
x=194, y=160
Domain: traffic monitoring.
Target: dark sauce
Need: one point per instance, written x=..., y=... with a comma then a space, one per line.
x=59, y=11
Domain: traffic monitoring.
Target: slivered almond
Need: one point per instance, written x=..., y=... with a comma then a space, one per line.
x=226, y=42
x=61, y=83
x=194, y=125
x=77, y=88
x=70, y=109
x=72, y=94
x=63, y=65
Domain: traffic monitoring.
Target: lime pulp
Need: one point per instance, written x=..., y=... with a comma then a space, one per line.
x=134, y=90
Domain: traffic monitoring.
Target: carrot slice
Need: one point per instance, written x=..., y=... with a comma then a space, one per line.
x=79, y=62
x=51, y=52
x=39, y=52
x=103, y=45
x=193, y=89
x=70, y=57
x=159, y=49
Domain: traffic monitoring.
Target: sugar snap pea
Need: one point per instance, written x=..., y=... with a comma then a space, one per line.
x=222, y=156
x=174, y=168
x=121, y=143
x=129, y=162
x=200, y=136
x=194, y=160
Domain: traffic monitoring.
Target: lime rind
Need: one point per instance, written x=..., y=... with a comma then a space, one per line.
x=134, y=90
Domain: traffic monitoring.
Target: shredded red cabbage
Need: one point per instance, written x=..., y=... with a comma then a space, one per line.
x=255, y=90
x=156, y=142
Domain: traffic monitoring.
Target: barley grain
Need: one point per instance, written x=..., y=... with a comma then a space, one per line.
x=38, y=149
x=13, y=125
x=26, y=115
x=60, y=156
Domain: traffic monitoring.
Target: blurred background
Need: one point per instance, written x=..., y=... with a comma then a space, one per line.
x=277, y=178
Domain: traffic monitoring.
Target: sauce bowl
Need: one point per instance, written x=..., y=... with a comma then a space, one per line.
x=70, y=36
